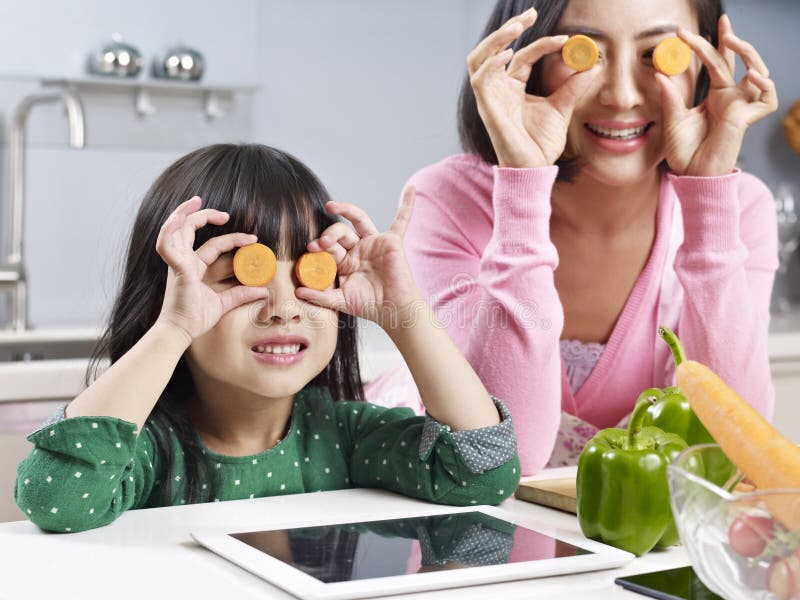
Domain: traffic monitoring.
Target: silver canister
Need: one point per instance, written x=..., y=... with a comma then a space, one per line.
x=180, y=63
x=116, y=59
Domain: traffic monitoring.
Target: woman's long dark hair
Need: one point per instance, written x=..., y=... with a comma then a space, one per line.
x=471, y=130
x=267, y=192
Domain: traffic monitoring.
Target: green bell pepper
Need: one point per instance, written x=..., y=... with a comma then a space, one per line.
x=622, y=491
x=672, y=413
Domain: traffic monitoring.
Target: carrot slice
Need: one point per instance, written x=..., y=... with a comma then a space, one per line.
x=765, y=456
x=254, y=264
x=316, y=270
x=580, y=53
x=672, y=56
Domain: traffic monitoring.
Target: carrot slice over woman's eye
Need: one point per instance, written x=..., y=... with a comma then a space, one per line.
x=580, y=53
x=254, y=264
x=316, y=270
x=672, y=56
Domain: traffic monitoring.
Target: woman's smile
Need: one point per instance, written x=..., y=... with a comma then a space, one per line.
x=618, y=136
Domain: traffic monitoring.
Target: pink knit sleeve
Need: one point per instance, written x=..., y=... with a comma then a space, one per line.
x=498, y=302
x=727, y=266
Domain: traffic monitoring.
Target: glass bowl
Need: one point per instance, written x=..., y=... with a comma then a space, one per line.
x=738, y=546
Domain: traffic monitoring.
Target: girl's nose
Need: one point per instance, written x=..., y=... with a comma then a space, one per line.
x=282, y=306
x=621, y=88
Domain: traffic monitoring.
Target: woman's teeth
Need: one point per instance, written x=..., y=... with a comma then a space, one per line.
x=617, y=134
x=290, y=349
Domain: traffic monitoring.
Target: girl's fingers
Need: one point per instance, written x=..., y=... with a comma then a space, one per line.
x=403, y=216
x=241, y=294
x=198, y=220
x=216, y=246
x=499, y=39
x=360, y=220
x=567, y=95
x=524, y=59
x=340, y=233
x=332, y=298
x=718, y=71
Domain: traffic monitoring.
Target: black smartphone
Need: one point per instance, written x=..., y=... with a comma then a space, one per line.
x=673, y=584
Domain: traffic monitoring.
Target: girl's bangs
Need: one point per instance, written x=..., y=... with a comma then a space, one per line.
x=269, y=194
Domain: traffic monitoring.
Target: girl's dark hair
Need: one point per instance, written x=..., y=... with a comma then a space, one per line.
x=471, y=130
x=267, y=192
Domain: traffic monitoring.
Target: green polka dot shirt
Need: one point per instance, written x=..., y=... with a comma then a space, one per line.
x=84, y=472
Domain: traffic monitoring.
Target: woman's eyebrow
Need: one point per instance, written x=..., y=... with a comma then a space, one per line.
x=596, y=33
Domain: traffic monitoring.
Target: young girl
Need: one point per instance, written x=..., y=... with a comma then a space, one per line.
x=622, y=178
x=218, y=391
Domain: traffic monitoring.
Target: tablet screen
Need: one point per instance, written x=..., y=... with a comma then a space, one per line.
x=372, y=549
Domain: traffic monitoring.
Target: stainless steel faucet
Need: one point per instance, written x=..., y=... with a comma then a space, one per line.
x=12, y=274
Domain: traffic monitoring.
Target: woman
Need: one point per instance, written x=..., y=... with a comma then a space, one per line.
x=622, y=178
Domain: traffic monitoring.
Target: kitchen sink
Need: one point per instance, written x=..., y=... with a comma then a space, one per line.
x=47, y=344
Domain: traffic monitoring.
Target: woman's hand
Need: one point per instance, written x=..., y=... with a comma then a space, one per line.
x=191, y=304
x=375, y=280
x=525, y=130
x=705, y=140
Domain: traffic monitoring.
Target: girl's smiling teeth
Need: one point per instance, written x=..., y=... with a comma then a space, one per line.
x=627, y=133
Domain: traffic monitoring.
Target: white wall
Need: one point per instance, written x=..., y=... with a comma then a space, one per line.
x=364, y=91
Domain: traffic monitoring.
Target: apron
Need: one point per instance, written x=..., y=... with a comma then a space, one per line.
x=573, y=433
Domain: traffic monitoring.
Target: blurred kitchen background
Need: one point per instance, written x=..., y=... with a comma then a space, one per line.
x=363, y=91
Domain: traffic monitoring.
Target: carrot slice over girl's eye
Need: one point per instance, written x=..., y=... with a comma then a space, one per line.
x=254, y=264
x=316, y=270
x=672, y=56
x=580, y=53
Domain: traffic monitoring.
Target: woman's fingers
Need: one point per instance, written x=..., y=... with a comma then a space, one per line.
x=718, y=70
x=672, y=103
x=499, y=39
x=360, y=220
x=750, y=56
x=403, y=217
x=567, y=95
x=216, y=246
x=767, y=102
x=522, y=63
x=725, y=28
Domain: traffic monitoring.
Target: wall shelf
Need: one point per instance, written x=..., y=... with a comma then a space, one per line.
x=143, y=90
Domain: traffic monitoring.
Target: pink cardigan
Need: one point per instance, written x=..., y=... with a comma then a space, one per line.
x=479, y=246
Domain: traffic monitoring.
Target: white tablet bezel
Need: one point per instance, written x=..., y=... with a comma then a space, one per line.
x=300, y=584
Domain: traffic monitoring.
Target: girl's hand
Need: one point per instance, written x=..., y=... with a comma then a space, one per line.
x=190, y=303
x=525, y=130
x=705, y=140
x=375, y=280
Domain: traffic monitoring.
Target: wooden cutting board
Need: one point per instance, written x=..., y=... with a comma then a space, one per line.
x=555, y=493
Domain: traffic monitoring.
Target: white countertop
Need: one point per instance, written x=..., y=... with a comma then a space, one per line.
x=63, y=378
x=149, y=553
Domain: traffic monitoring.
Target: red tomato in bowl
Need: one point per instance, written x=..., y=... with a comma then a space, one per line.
x=748, y=534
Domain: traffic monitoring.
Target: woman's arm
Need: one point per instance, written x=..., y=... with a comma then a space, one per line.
x=492, y=285
x=727, y=266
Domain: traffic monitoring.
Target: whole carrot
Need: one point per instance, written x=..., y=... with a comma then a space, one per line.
x=765, y=457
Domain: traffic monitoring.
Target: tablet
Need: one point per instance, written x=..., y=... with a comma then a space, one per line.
x=450, y=547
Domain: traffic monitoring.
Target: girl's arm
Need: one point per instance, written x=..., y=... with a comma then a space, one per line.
x=130, y=388
x=375, y=282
